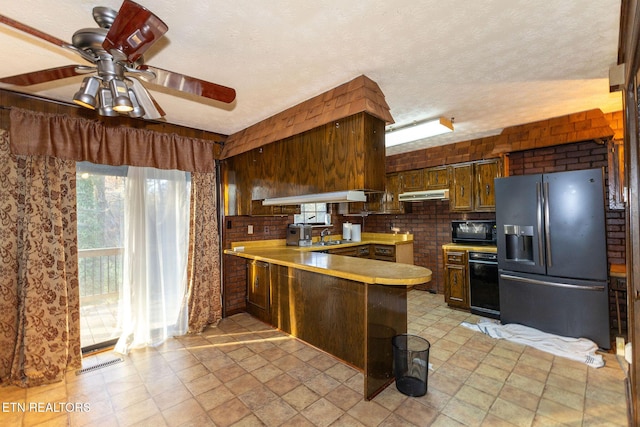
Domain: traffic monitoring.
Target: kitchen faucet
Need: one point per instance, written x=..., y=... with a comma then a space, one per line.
x=323, y=233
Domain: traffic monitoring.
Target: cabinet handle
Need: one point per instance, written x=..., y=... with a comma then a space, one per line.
x=455, y=280
x=256, y=283
x=488, y=189
x=462, y=190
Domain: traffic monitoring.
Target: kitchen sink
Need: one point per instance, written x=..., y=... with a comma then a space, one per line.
x=328, y=243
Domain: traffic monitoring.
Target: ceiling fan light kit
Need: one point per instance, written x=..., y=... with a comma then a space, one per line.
x=418, y=130
x=116, y=49
x=86, y=96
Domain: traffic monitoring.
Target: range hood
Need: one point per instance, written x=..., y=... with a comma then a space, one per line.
x=418, y=196
x=333, y=197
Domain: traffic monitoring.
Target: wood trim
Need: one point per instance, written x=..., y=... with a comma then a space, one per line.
x=630, y=30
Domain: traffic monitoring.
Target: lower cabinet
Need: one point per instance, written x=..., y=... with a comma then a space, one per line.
x=456, y=282
x=348, y=251
x=384, y=252
x=392, y=253
x=259, y=290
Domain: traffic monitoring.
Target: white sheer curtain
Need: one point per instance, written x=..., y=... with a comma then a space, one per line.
x=153, y=299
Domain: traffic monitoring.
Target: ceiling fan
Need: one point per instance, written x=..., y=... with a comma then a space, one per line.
x=113, y=85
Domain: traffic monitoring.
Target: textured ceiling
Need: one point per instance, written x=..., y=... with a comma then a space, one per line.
x=488, y=64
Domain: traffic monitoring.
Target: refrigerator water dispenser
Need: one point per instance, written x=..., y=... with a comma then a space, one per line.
x=519, y=242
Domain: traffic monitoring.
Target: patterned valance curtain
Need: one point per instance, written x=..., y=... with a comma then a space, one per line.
x=73, y=138
x=39, y=296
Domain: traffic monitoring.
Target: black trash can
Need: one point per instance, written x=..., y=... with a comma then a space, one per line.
x=411, y=364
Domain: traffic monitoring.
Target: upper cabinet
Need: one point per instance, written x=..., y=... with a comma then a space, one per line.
x=412, y=180
x=471, y=186
x=485, y=173
x=347, y=154
x=461, y=188
x=436, y=178
x=390, y=202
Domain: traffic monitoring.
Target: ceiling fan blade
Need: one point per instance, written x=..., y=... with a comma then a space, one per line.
x=183, y=83
x=43, y=76
x=32, y=31
x=133, y=31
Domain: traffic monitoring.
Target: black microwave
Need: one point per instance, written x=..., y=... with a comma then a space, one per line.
x=482, y=232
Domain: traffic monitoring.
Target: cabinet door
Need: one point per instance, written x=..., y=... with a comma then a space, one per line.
x=384, y=252
x=258, y=289
x=412, y=180
x=436, y=178
x=461, y=188
x=390, y=202
x=363, y=251
x=348, y=251
x=456, y=288
x=485, y=172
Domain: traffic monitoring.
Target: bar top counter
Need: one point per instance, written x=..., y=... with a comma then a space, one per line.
x=314, y=259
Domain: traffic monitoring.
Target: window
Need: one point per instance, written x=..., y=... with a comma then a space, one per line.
x=313, y=214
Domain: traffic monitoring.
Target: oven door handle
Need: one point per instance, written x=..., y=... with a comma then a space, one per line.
x=483, y=262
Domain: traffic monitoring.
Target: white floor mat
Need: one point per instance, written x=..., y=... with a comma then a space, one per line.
x=578, y=349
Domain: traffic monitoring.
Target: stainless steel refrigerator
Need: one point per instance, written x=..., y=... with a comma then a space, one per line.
x=552, y=253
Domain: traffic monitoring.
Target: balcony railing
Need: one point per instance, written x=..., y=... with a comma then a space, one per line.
x=100, y=271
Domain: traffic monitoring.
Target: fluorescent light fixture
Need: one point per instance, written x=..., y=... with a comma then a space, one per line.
x=416, y=131
x=333, y=197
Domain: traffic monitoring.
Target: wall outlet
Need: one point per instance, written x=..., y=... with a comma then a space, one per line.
x=266, y=229
x=250, y=229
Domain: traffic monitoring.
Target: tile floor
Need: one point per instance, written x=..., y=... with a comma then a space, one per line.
x=244, y=373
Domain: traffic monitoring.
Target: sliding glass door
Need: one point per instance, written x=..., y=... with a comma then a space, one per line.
x=100, y=202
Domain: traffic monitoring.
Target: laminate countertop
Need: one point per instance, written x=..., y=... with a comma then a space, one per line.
x=351, y=268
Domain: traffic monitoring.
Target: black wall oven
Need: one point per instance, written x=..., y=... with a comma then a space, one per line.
x=483, y=284
x=482, y=232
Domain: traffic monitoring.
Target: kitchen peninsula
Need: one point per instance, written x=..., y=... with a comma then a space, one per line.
x=350, y=307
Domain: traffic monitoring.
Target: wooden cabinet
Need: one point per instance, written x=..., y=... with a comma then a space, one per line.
x=471, y=186
x=412, y=180
x=456, y=284
x=384, y=252
x=348, y=251
x=257, y=209
x=389, y=202
x=461, y=188
x=436, y=178
x=485, y=196
x=402, y=253
x=259, y=290
x=346, y=154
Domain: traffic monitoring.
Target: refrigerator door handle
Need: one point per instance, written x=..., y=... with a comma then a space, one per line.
x=556, y=284
x=547, y=235
x=539, y=221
